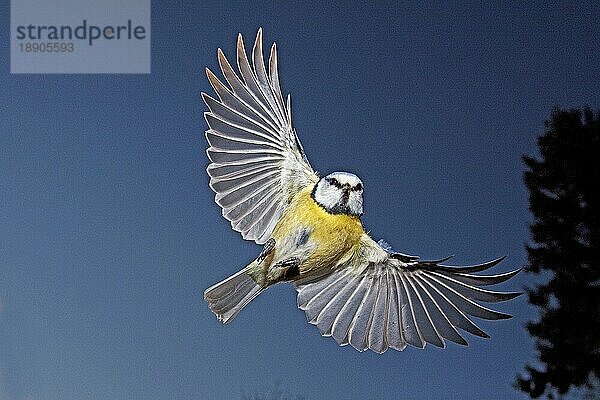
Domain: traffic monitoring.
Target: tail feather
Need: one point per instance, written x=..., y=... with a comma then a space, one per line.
x=227, y=298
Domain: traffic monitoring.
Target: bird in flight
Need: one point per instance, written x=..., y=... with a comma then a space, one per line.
x=356, y=290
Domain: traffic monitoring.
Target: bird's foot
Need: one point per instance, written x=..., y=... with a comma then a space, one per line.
x=283, y=270
x=267, y=249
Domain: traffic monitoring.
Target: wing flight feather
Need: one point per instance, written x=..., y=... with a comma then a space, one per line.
x=257, y=162
x=378, y=302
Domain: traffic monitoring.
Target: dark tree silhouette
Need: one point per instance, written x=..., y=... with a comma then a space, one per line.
x=564, y=197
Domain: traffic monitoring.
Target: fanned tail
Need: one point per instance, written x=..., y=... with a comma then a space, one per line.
x=228, y=297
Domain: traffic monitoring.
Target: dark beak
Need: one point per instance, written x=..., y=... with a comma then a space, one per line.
x=345, y=193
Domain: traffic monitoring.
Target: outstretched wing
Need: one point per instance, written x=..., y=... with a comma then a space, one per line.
x=384, y=299
x=257, y=162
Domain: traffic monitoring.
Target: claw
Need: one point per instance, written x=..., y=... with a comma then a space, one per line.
x=284, y=269
x=267, y=249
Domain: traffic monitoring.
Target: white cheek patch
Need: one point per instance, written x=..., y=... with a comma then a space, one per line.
x=327, y=195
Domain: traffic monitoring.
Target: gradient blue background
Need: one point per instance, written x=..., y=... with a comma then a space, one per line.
x=109, y=233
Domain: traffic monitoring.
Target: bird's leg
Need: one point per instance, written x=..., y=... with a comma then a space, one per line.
x=267, y=249
x=283, y=270
x=264, y=273
x=258, y=268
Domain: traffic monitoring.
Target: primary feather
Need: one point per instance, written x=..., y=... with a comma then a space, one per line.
x=257, y=162
x=376, y=301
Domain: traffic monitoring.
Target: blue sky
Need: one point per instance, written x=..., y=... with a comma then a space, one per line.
x=110, y=234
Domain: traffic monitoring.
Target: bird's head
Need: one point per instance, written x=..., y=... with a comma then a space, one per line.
x=340, y=193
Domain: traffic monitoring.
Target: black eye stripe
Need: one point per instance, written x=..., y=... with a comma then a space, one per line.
x=337, y=184
x=334, y=182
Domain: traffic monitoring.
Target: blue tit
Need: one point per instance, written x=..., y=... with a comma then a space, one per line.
x=356, y=290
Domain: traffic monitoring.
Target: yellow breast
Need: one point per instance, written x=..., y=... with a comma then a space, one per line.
x=335, y=236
